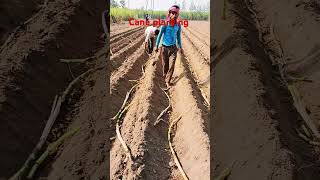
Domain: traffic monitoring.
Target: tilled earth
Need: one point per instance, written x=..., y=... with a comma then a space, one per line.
x=265, y=89
x=32, y=74
x=146, y=139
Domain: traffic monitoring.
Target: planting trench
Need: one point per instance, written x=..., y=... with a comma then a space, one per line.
x=31, y=73
x=146, y=137
x=256, y=116
x=31, y=60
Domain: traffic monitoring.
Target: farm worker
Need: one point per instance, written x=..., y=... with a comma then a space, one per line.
x=147, y=17
x=151, y=33
x=171, y=36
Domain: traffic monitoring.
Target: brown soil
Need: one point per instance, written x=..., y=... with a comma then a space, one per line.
x=31, y=74
x=85, y=155
x=14, y=13
x=253, y=113
x=118, y=28
x=121, y=41
x=197, y=63
x=147, y=142
x=191, y=137
x=198, y=43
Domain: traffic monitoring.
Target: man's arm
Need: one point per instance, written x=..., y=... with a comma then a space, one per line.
x=147, y=35
x=179, y=37
x=159, y=37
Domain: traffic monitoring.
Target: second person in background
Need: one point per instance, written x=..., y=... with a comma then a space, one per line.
x=150, y=33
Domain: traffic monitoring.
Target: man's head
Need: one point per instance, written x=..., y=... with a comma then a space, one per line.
x=156, y=32
x=174, y=12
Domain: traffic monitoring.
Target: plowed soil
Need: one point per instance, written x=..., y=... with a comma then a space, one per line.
x=146, y=139
x=31, y=75
x=262, y=51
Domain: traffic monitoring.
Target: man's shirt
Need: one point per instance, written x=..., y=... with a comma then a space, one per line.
x=149, y=32
x=171, y=35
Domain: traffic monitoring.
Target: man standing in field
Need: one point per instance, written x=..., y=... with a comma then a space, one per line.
x=171, y=36
x=150, y=33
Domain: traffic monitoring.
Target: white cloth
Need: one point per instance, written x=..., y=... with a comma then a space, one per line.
x=149, y=32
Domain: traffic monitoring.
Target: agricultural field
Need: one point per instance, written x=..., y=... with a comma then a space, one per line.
x=39, y=85
x=122, y=14
x=56, y=107
x=141, y=129
x=73, y=106
x=266, y=83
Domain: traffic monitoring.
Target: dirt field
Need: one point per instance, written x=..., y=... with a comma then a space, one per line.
x=148, y=143
x=262, y=108
x=31, y=75
x=265, y=87
x=14, y=14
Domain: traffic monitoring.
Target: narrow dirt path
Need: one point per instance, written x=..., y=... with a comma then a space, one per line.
x=147, y=143
x=31, y=73
x=199, y=68
x=191, y=139
x=202, y=48
x=202, y=39
x=200, y=28
x=253, y=101
x=120, y=82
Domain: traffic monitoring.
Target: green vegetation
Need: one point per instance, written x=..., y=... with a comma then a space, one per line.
x=123, y=14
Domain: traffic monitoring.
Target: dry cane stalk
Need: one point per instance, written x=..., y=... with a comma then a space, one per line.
x=52, y=148
x=305, y=130
x=225, y=173
x=292, y=89
x=76, y=80
x=307, y=139
x=82, y=60
x=128, y=95
x=78, y=60
x=175, y=158
x=125, y=147
x=53, y=116
x=70, y=71
x=165, y=110
x=205, y=98
x=302, y=111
